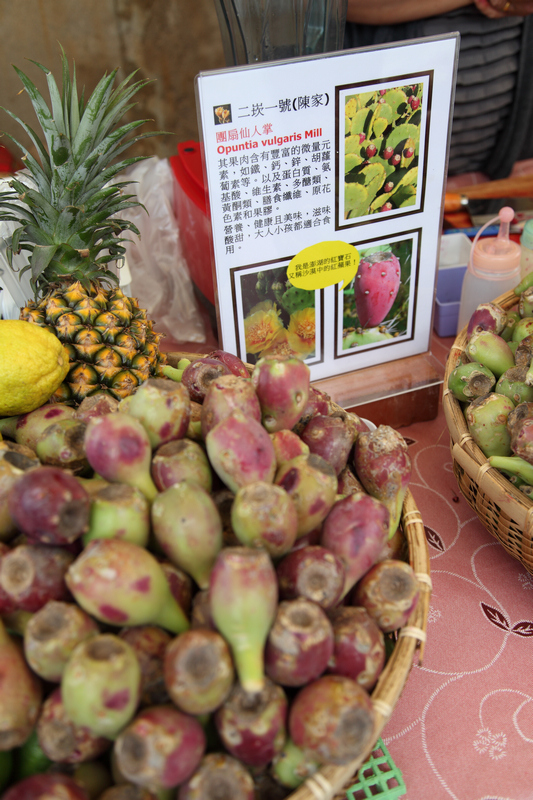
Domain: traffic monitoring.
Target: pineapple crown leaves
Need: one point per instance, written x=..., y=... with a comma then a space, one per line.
x=67, y=214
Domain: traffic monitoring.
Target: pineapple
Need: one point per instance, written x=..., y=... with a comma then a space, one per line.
x=66, y=204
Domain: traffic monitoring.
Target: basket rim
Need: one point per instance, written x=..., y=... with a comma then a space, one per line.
x=325, y=783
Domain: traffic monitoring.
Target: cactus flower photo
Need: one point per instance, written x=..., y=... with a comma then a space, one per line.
x=376, y=301
x=279, y=318
x=381, y=149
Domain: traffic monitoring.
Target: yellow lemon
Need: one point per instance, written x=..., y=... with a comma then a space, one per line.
x=33, y=363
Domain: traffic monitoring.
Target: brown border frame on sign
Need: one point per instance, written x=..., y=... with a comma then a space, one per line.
x=400, y=79
x=415, y=235
x=262, y=266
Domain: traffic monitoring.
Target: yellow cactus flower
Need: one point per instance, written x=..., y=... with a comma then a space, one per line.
x=302, y=331
x=261, y=325
x=283, y=344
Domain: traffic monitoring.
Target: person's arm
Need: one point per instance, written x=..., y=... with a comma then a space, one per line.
x=390, y=12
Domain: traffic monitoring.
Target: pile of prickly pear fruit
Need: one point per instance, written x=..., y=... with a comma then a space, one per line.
x=493, y=381
x=197, y=586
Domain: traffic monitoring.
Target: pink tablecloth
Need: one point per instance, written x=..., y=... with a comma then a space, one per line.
x=463, y=727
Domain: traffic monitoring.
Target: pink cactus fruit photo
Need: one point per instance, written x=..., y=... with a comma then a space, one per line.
x=376, y=286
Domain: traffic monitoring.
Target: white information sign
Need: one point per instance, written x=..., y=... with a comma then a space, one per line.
x=325, y=179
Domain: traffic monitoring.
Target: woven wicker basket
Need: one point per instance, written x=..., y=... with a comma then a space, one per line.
x=504, y=510
x=331, y=781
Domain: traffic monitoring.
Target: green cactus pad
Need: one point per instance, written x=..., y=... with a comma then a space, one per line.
x=356, y=200
x=395, y=98
x=295, y=299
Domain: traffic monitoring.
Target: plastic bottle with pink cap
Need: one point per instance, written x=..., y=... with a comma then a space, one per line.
x=493, y=267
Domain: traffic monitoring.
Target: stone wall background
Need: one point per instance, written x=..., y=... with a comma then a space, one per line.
x=170, y=41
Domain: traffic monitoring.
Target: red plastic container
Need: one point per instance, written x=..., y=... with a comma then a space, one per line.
x=192, y=213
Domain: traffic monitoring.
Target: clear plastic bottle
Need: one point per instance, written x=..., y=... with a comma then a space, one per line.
x=526, y=245
x=493, y=267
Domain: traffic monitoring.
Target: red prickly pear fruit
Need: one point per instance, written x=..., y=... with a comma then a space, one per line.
x=122, y=584
x=355, y=530
x=101, y=683
x=180, y=584
x=61, y=740
x=20, y=694
x=349, y=483
x=119, y=511
x=9, y=474
x=282, y=386
x=299, y=644
x=312, y=484
x=263, y=515
x=252, y=727
x=487, y=317
x=164, y=409
x=142, y=760
x=31, y=425
x=51, y=635
x=198, y=375
x=96, y=405
x=383, y=465
x=388, y=187
x=46, y=785
x=149, y=643
x=376, y=286
x=241, y=451
x=198, y=671
x=31, y=575
x=226, y=394
x=312, y=572
x=414, y=102
x=233, y=362
x=175, y=461
x=288, y=445
x=118, y=449
x=331, y=438
x=243, y=595
x=61, y=444
x=188, y=528
x=371, y=150
x=409, y=152
x=359, y=646
x=389, y=591
x=388, y=152
x=50, y=506
x=395, y=160
x=333, y=719
x=386, y=207
x=362, y=137
x=219, y=775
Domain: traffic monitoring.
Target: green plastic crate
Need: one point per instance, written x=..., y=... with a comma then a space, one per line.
x=378, y=777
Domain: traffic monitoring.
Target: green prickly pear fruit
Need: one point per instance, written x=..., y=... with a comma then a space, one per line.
x=486, y=418
x=513, y=465
x=61, y=444
x=513, y=385
x=525, y=303
x=491, y=350
x=101, y=683
x=523, y=327
x=164, y=409
x=312, y=484
x=264, y=515
x=20, y=694
x=119, y=511
x=470, y=380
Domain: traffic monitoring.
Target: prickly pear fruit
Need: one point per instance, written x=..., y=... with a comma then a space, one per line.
x=288, y=445
x=355, y=530
x=383, y=465
x=181, y=584
x=520, y=412
x=486, y=418
x=491, y=350
x=359, y=645
x=31, y=575
x=100, y=686
x=119, y=511
x=164, y=409
x=313, y=572
x=20, y=694
x=252, y=726
x=389, y=591
x=50, y=506
x=61, y=444
x=198, y=375
x=312, y=484
x=198, y=671
x=243, y=595
x=44, y=786
x=119, y=450
x=512, y=383
x=264, y=515
x=233, y=362
x=31, y=425
x=291, y=766
x=219, y=775
x=187, y=526
x=470, y=380
x=333, y=719
x=330, y=437
x=51, y=635
x=299, y=644
x=96, y=405
x=149, y=643
x=225, y=394
x=241, y=451
x=522, y=328
x=122, y=584
x=522, y=440
x=376, y=285
x=175, y=461
x=282, y=386
x=487, y=317
x=63, y=741
x=142, y=760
